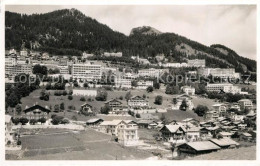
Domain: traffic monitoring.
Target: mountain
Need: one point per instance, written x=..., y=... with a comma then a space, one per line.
x=70, y=32
x=145, y=30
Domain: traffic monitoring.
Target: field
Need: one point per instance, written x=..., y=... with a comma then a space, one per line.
x=33, y=98
x=69, y=145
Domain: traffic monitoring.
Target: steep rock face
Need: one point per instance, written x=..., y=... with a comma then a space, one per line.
x=145, y=30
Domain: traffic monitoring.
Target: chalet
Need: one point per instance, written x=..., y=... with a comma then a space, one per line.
x=147, y=124
x=199, y=147
x=225, y=134
x=173, y=133
x=179, y=99
x=220, y=109
x=188, y=90
x=192, y=133
x=245, y=136
x=245, y=104
x=94, y=122
x=111, y=127
x=86, y=108
x=211, y=115
x=208, y=132
x=137, y=101
x=36, y=112
x=225, y=143
x=114, y=103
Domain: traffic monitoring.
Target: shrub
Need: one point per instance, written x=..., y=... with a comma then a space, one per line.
x=158, y=100
x=65, y=121
x=16, y=121
x=42, y=120
x=64, y=93
x=19, y=142
x=33, y=121
x=70, y=97
x=138, y=115
x=82, y=99
x=24, y=121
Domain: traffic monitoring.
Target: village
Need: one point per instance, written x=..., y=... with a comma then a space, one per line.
x=105, y=106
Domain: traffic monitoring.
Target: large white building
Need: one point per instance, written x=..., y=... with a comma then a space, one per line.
x=144, y=84
x=137, y=101
x=196, y=63
x=87, y=71
x=226, y=87
x=151, y=72
x=115, y=54
x=174, y=65
x=219, y=72
x=128, y=133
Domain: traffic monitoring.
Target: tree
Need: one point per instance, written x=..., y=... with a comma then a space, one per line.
x=105, y=109
x=70, y=97
x=183, y=105
x=65, y=121
x=121, y=98
x=149, y=89
x=24, y=120
x=56, y=108
x=18, y=109
x=200, y=110
x=57, y=120
x=134, y=83
x=33, y=121
x=39, y=69
x=156, y=84
x=12, y=100
x=101, y=95
x=15, y=120
x=128, y=95
x=137, y=115
x=82, y=99
x=174, y=101
x=158, y=100
x=162, y=118
x=42, y=120
x=62, y=107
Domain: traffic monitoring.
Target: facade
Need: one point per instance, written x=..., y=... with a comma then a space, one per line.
x=64, y=69
x=128, y=134
x=115, y=54
x=174, y=133
x=144, y=84
x=149, y=73
x=188, y=90
x=36, y=112
x=85, y=92
x=175, y=65
x=137, y=101
x=114, y=103
x=220, y=109
x=23, y=53
x=86, y=71
x=218, y=72
x=225, y=87
x=179, y=100
x=196, y=63
x=245, y=104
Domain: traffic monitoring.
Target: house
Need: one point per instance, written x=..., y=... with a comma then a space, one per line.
x=245, y=104
x=199, y=147
x=225, y=134
x=188, y=90
x=245, y=136
x=225, y=142
x=114, y=103
x=111, y=127
x=138, y=101
x=123, y=110
x=192, y=133
x=128, y=133
x=150, y=124
x=173, y=133
x=144, y=84
x=94, y=122
x=36, y=112
x=211, y=115
x=191, y=121
x=179, y=99
x=86, y=108
x=220, y=108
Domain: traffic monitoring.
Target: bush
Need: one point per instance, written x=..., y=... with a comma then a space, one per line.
x=15, y=120
x=57, y=120
x=24, y=121
x=65, y=121
x=82, y=99
x=138, y=115
x=89, y=99
x=158, y=100
x=33, y=121
x=64, y=93
x=149, y=89
x=121, y=98
x=200, y=110
x=42, y=120
x=101, y=95
x=70, y=97
x=19, y=142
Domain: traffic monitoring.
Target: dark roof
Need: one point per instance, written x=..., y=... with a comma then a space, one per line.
x=86, y=104
x=113, y=100
x=37, y=107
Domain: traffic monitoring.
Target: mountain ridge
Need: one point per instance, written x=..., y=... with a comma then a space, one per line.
x=70, y=32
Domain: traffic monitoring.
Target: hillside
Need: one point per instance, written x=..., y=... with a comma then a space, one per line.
x=70, y=32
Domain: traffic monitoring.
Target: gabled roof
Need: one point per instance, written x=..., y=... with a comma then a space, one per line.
x=137, y=98
x=36, y=107
x=225, y=133
x=173, y=128
x=113, y=100
x=111, y=123
x=86, y=104
x=224, y=142
x=94, y=120
x=247, y=134
x=202, y=145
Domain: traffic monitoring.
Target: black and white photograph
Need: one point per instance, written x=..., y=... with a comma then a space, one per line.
x=130, y=82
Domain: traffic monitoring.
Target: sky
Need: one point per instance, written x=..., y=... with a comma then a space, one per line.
x=231, y=25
